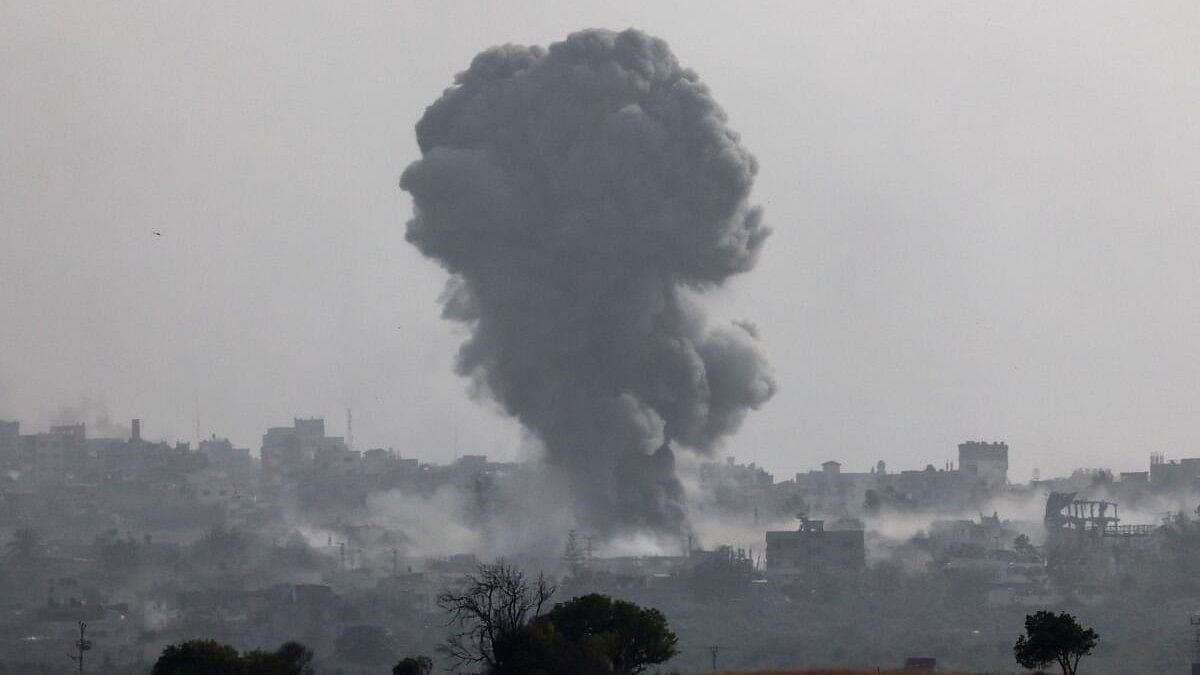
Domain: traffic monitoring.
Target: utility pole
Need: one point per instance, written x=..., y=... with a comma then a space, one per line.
x=82, y=645
x=1194, y=620
x=712, y=651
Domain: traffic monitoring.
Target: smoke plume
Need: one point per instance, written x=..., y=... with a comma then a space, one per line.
x=575, y=194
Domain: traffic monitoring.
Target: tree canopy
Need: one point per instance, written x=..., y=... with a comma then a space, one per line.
x=501, y=627
x=413, y=665
x=209, y=657
x=625, y=636
x=1054, y=638
x=198, y=657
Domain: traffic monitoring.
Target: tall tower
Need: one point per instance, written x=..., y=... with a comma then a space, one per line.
x=349, y=429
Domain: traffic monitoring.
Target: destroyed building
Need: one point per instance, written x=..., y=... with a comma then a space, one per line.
x=1089, y=520
x=1087, y=538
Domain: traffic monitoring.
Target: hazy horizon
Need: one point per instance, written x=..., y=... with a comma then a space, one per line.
x=984, y=221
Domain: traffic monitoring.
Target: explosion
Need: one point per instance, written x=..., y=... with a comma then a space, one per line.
x=578, y=196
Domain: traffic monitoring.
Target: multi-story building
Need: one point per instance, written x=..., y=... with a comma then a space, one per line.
x=10, y=443
x=222, y=455
x=929, y=488
x=1176, y=473
x=228, y=477
x=47, y=455
x=834, y=491
x=736, y=488
x=983, y=464
x=812, y=549
x=295, y=449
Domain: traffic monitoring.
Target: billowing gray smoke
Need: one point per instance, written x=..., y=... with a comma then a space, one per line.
x=574, y=193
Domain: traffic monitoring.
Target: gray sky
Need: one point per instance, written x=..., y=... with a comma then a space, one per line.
x=986, y=219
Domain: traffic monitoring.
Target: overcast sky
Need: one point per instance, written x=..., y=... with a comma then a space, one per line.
x=986, y=220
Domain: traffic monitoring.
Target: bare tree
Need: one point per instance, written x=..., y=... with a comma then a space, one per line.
x=491, y=605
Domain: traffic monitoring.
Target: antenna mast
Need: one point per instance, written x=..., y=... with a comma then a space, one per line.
x=82, y=645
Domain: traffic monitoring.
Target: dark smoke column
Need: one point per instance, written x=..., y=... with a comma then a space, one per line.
x=573, y=193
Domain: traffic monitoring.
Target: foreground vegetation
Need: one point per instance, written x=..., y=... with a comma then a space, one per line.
x=499, y=628
x=839, y=671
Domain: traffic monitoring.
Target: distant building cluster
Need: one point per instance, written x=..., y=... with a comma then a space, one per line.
x=151, y=542
x=187, y=520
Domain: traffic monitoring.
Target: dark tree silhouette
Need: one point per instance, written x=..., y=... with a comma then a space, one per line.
x=413, y=665
x=491, y=607
x=198, y=657
x=628, y=637
x=208, y=657
x=1054, y=638
x=292, y=658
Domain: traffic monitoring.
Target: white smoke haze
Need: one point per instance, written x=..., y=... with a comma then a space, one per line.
x=93, y=412
x=574, y=193
x=431, y=526
x=1023, y=511
x=895, y=527
x=640, y=544
x=890, y=530
x=314, y=536
x=526, y=515
x=711, y=530
x=1156, y=509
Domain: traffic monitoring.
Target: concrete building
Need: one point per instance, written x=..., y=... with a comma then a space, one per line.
x=833, y=491
x=1135, y=478
x=227, y=479
x=10, y=445
x=378, y=463
x=222, y=455
x=812, y=549
x=983, y=464
x=961, y=535
x=295, y=449
x=47, y=455
x=1176, y=473
x=939, y=489
x=736, y=488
